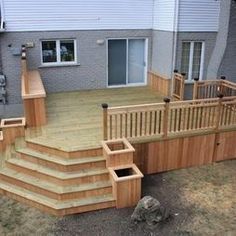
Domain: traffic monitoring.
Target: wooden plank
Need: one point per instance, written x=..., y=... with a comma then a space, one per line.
x=225, y=146
x=159, y=83
x=175, y=153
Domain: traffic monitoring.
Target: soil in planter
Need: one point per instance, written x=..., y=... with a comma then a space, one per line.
x=13, y=122
x=124, y=172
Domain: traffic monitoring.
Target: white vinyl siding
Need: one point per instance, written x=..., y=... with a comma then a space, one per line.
x=198, y=15
x=164, y=15
x=51, y=15
x=48, y=15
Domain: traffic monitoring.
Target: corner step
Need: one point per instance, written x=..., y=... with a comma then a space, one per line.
x=52, y=190
x=58, y=177
x=55, y=207
x=46, y=148
x=61, y=164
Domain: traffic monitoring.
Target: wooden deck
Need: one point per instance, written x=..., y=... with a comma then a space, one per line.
x=75, y=118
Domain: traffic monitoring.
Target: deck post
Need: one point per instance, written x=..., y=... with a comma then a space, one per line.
x=223, y=89
x=24, y=73
x=182, y=86
x=166, y=116
x=105, y=107
x=195, y=88
x=219, y=111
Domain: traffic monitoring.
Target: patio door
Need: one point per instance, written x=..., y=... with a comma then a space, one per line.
x=126, y=62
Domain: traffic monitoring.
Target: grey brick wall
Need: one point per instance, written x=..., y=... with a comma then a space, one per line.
x=208, y=37
x=162, y=52
x=90, y=74
x=228, y=64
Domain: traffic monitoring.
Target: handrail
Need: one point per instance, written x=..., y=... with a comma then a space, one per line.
x=210, y=88
x=169, y=118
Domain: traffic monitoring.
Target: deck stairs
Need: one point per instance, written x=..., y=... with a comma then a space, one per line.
x=58, y=182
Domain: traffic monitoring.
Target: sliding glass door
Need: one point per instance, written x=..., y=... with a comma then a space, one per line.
x=126, y=62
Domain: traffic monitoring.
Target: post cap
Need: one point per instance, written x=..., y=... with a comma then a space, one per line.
x=183, y=73
x=196, y=79
x=176, y=71
x=166, y=100
x=220, y=95
x=222, y=77
x=104, y=105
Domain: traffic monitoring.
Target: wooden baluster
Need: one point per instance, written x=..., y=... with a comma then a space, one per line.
x=166, y=117
x=105, y=114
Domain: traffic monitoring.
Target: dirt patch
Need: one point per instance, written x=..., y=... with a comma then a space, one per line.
x=18, y=219
x=201, y=201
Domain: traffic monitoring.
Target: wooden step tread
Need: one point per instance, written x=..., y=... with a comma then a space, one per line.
x=66, y=145
x=55, y=204
x=55, y=173
x=55, y=188
x=59, y=160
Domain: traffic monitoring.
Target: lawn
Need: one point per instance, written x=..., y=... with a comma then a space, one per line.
x=201, y=201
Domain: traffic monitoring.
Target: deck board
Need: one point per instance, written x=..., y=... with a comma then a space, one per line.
x=75, y=118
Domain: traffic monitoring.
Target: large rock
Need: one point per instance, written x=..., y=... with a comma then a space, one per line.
x=149, y=210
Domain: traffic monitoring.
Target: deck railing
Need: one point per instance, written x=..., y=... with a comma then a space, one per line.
x=178, y=85
x=169, y=118
x=210, y=88
x=33, y=94
x=159, y=83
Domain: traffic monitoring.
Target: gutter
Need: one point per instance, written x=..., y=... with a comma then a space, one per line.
x=175, y=31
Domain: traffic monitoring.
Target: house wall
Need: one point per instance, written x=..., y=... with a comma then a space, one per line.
x=164, y=15
x=198, y=15
x=209, y=38
x=227, y=67
x=221, y=40
x=90, y=73
x=26, y=15
x=162, y=52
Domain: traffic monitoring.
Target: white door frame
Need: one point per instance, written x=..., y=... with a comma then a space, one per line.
x=145, y=67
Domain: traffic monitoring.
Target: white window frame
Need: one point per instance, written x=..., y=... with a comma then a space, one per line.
x=190, y=79
x=59, y=62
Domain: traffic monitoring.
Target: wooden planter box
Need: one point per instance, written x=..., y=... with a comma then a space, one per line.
x=126, y=185
x=12, y=128
x=118, y=152
x=1, y=141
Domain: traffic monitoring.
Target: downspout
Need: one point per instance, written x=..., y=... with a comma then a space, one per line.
x=174, y=46
x=2, y=25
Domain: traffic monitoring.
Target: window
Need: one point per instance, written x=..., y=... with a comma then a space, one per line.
x=59, y=51
x=192, y=59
